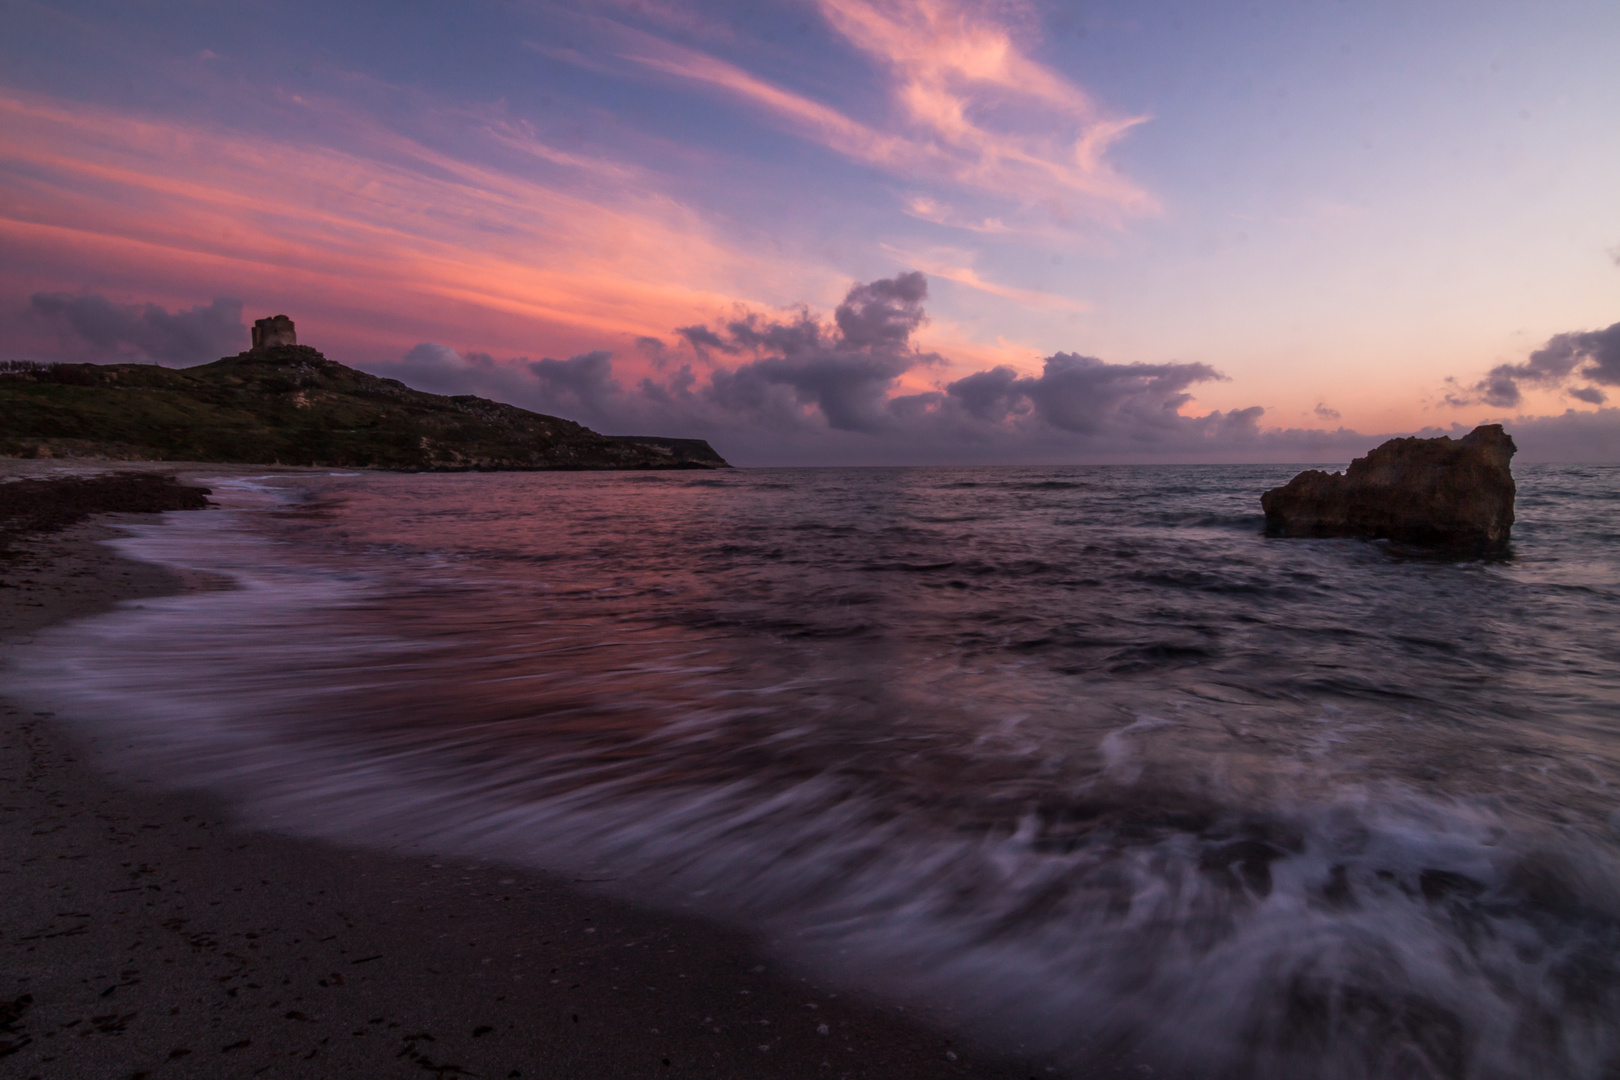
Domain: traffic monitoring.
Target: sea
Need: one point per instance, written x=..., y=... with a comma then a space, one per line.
x=1077, y=754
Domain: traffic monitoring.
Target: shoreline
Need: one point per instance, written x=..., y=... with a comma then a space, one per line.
x=151, y=936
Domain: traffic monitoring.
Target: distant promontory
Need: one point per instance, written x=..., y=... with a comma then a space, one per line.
x=284, y=403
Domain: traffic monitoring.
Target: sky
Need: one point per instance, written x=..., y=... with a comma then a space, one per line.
x=849, y=231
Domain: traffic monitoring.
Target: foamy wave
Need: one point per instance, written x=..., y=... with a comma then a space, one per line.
x=1363, y=932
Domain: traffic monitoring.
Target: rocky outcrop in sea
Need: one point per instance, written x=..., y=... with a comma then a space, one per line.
x=1435, y=492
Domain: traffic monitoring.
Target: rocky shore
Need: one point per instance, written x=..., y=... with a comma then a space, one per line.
x=34, y=506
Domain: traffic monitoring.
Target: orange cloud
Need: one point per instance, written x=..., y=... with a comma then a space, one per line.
x=830, y=126
x=376, y=242
x=383, y=224
x=952, y=64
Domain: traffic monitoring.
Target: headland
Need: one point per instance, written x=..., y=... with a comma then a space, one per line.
x=281, y=403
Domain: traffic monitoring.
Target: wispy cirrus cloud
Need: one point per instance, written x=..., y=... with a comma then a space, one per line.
x=538, y=239
x=375, y=241
x=951, y=270
x=969, y=107
x=928, y=208
x=1008, y=122
x=675, y=15
x=812, y=118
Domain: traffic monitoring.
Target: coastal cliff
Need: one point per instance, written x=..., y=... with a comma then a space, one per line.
x=287, y=404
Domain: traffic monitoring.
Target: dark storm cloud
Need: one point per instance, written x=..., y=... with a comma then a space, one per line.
x=884, y=313
x=677, y=389
x=1598, y=353
x=654, y=350
x=1087, y=396
x=805, y=390
x=844, y=371
x=580, y=383
x=702, y=339
x=439, y=369
x=794, y=388
x=580, y=388
x=105, y=329
x=798, y=387
x=1592, y=355
x=991, y=396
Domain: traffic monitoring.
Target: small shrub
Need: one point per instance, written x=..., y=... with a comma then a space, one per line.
x=74, y=374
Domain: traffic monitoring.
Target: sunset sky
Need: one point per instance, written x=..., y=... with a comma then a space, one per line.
x=849, y=231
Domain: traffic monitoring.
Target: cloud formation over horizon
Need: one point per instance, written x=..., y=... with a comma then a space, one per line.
x=796, y=385
x=1086, y=186
x=1591, y=355
x=92, y=325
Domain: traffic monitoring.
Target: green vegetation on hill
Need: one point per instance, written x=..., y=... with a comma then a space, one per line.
x=290, y=405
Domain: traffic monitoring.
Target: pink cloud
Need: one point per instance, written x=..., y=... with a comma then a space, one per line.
x=380, y=224
x=828, y=125
x=944, y=267
x=1006, y=119
x=971, y=109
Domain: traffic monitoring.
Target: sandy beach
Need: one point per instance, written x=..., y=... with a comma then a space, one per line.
x=148, y=935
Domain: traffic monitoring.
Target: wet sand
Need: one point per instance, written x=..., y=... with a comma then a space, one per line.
x=148, y=935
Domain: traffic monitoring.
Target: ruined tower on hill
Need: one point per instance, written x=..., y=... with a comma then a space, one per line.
x=276, y=330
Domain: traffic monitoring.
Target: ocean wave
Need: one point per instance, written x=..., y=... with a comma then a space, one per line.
x=1223, y=812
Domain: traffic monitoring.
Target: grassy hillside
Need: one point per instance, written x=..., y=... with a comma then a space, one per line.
x=290, y=405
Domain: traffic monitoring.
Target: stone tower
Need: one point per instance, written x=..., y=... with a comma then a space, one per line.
x=276, y=330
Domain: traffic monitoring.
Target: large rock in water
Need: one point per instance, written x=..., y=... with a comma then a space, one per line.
x=1441, y=492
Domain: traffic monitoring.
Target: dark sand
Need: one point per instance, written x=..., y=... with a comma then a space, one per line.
x=147, y=935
